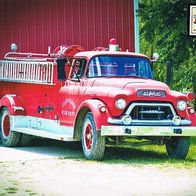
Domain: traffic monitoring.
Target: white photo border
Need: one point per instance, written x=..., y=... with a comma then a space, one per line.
x=192, y=20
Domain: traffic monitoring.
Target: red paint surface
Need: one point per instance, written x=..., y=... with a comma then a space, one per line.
x=36, y=24
x=67, y=98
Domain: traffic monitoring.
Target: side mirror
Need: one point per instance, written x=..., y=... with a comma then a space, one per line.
x=61, y=61
x=155, y=57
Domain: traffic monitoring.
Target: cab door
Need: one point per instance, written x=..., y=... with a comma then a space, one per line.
x=70, y=93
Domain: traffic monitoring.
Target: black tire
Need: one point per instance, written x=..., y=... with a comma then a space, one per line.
x=178, y=147
x=9, y=138
x=93, y=143
x=25, y=139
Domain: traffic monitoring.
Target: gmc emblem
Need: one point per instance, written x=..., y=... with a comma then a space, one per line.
x=151, y=93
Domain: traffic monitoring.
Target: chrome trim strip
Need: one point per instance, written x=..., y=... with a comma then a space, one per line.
x=151, y=112
x=147, y=131
x=186, y=122
x=148, y=122
x=115, y=120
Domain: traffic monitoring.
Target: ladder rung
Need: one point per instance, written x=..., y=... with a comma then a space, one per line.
x=27, y=72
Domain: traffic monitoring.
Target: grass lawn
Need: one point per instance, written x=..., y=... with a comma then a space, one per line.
x=138, y=156
x=152, y=154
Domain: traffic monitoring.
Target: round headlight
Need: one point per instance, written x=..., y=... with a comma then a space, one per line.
x=181, y=105
x=120, y=104
x=176, y=120
x=126, y=120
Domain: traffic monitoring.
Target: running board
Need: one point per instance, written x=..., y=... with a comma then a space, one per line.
x=45, y=134
x=41, y=127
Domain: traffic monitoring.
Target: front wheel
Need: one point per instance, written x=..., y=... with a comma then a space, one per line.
x=178, y=147
x=9, y=138
x=93, y=143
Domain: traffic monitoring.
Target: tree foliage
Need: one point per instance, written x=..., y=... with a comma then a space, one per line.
x=164, y=29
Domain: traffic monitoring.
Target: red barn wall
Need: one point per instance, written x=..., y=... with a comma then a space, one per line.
x=36, y=24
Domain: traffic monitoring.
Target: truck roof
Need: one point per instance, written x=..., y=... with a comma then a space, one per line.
x=90, y=54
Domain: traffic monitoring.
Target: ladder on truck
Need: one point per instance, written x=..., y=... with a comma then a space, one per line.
x=34, y=67
x=27, y=70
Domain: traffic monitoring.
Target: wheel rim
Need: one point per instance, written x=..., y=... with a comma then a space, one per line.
x=88, y=137
x=6, y=126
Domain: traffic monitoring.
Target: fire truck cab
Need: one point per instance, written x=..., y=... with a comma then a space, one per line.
x=101, y=97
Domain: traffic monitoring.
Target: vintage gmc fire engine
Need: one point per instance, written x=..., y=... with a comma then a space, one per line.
x=100, y=97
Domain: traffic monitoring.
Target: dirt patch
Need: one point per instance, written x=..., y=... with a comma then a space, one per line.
x=38, y=170
x=80, y=177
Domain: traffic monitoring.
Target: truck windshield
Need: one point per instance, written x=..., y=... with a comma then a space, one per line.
x=119, y=66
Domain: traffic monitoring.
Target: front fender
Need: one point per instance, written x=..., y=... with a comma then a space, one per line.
x=94, y=106
x=192, y=117
x=13, y=103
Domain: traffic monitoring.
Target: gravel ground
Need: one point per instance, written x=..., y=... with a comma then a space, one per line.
x=39, y=171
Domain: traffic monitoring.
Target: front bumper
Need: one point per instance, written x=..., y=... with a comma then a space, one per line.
x=148, y=131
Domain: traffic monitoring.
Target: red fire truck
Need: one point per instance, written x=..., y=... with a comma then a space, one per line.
x=100, y=97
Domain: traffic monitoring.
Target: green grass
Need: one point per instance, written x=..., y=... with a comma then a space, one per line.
x=152, y=154
x=139, y=156
x=193, y=140
x=11, y=190
x=30, y=192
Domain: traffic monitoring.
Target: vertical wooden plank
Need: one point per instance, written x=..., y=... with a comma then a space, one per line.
x=36, y=24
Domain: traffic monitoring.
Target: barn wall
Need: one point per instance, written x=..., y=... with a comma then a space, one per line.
x=36, y=24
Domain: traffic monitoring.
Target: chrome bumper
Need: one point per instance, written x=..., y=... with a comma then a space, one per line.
x=148, y=131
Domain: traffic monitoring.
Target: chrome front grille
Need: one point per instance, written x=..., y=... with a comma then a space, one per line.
x=151, y=111
x=149, y=114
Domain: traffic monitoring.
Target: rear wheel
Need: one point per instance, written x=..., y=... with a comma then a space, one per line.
x=9, y=138
x=178, y=147
x=93, y=143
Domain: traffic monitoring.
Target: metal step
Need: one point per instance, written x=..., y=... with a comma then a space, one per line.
x=44, y=133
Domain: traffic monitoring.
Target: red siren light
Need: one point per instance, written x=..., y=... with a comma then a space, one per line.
x=113, y=45
x=113, y=41
x=190, y=96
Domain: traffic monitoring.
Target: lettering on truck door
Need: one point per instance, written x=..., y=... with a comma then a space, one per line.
x=69, y=93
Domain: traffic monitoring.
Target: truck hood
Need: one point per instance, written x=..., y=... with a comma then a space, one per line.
x=129, y=84
x=131, y=89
